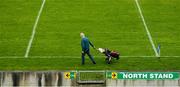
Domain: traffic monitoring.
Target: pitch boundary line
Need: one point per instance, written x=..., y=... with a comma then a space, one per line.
x=146, y=28
x=34, y=30
x=46, y=57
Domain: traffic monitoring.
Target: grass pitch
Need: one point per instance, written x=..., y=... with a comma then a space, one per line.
x=110, y=24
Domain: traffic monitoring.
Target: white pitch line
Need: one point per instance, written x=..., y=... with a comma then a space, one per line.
x=34, y=30
x=147, y=30
x=75, y=57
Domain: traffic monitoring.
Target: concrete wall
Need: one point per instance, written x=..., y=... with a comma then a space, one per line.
x=33, y=79
x=137, y=83
x=42, y=79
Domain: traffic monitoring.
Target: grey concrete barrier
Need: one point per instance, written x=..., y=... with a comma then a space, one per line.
x=56, y=79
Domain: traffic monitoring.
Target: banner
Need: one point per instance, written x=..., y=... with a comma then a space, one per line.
x=143, y=75
x=69, y=75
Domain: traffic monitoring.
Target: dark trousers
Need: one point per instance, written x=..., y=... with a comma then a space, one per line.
x=88, y=53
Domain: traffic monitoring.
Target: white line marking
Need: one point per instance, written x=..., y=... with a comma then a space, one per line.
x=147, y=30
x=75, y=57
x=34, y=30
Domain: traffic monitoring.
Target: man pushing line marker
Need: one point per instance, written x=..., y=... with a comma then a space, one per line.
x=85, y=48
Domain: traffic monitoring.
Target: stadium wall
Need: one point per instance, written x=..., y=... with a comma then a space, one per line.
x=56, y=78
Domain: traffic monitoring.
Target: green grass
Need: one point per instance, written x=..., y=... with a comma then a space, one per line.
x=113, y=24
x=163, y=19
x=16, y=21
x=106, y=23
x=125, y=64
x=91, y=76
